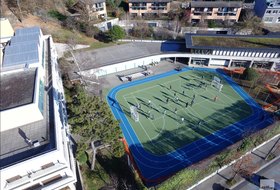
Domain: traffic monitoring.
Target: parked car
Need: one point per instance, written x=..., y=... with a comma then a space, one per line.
x=255, y=179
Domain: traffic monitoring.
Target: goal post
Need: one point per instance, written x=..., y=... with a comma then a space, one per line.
x=217, y=84
x=134, y=114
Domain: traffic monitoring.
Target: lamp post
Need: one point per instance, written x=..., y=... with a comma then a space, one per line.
x=151, y=37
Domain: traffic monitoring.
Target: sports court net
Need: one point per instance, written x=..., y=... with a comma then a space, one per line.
x=134, y=113
x=217, y=83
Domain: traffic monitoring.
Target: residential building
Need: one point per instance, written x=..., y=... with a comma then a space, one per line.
x=145, y=8
x=91, y=8
x=219, y=11
x=268, y=10
x=35, y=148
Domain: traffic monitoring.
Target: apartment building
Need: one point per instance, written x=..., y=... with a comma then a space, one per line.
x=219, y=11
x=145, y=8
x=93, y=8
x=35, y=148
x=269, y=10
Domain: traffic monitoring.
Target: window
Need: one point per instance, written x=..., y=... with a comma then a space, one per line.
x=278, y=19
x=268, y=12
x=268, y=19
x=274, y=12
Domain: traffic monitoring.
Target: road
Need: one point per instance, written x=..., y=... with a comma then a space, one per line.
x=271, y=171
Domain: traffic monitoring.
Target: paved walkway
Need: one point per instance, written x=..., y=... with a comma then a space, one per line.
x=218, y=181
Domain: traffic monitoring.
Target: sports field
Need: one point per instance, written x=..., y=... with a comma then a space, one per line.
x=166, y=133
x=164, y=145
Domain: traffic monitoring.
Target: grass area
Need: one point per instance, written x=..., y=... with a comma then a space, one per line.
x=105, y=92
x=166, y=133
x=245, y=42
x=258, y=92
x=231, y=182
x=271, y=156
x=64, y=34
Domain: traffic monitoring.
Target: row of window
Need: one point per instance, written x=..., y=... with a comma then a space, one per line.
x=218, y=14
x=236, y=53
x=270, y=19
x=272, y=12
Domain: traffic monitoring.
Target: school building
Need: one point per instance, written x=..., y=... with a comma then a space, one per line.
x=199, y=49
x=35, y=148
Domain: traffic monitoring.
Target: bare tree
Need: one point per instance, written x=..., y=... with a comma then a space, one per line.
x=19, y=8
x=127, y=21
x=114, y=180
x=176, y=27
x=244, y=167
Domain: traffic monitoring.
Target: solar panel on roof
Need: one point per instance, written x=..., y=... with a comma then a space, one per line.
x=21, y=54
x=25, y=38
x=31, y=30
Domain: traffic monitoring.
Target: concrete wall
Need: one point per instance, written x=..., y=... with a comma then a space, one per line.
x=105, y=24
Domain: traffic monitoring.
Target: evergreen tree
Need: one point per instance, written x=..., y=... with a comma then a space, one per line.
x=92, y=119
x=116, y=33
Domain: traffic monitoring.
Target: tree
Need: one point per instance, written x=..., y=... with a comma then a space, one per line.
x=176, y=27
x=186, y=19
x=127, y=20
x=116, y=33
x=253, y=23
x=92, y=119
x=212, y=24
x=244, y=167
x=19, y=8
x=251, y=74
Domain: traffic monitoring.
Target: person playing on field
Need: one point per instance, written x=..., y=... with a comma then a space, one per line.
x=215, y=98
x=177, y=99
x=174, y=95
x=192, y=87
x=182, y=119
x=167, y=101
x=170, y=86
x=153, y=117
x=193, y=96
x=164, y=112
x=149, y=113
x=192, y=103
x=183, y=92
x=149, y=102
x=152, y=106
x=187, y=104
x=199, y=123
x=205, y=86
x=175, y=110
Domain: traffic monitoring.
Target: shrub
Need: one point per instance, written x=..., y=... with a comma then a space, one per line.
x=212, y=24
x=82, y=158
x=251, y=74
x=57, y=15
x=245, y=145
x=70, y=3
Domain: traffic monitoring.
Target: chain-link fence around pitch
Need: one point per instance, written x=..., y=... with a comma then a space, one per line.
x=258, y=90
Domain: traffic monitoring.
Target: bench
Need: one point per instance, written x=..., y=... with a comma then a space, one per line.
x=134, y=75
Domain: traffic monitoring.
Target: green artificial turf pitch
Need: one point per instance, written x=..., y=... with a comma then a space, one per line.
x=167, y=133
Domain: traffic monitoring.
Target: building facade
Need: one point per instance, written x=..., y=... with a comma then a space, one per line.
x=219, y=11
x=145, y=8
x=268, y=10
x=35, y=148
x=92, y=8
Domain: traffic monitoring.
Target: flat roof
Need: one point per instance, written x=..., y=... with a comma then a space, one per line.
x=216, y=3
x=31, y=30
x=21, y=54
x=212, y=41
x=17, y=89
x=114, y=54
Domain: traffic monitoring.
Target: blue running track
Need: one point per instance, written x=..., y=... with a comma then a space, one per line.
x=156, y=166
